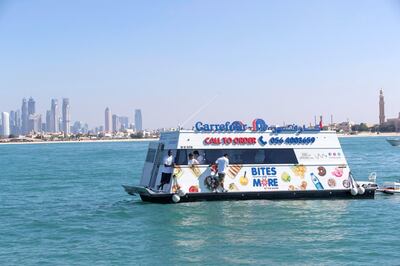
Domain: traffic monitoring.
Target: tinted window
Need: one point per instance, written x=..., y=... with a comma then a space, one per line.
x=150, y=155
x=244, y=156
x=181, y=157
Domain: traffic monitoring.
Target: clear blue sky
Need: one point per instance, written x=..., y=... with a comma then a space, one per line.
x=278, y=60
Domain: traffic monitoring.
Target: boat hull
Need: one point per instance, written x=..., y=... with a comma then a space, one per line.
x=271, y=195
x=394, y=142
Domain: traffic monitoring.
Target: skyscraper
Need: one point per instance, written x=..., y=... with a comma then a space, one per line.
x=48, y=121
x=5, y=129
x=54, y=116
x=17, y=122
x=107, y=120
x=115, y=123
x=123, y=122
x=12, y=122
x=66, y=117
x=24, y=117
x=138, y=120
x=381, y=108
x=31, y=106
x=35, y=123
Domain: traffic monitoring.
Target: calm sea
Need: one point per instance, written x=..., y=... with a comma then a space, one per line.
x=63, y=204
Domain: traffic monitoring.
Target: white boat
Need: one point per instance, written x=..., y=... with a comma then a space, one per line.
x=265, y=162
x=390, y=188
x=394, y=141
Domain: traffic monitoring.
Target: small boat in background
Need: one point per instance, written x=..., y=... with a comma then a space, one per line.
x=390, y=188
x=394, y=141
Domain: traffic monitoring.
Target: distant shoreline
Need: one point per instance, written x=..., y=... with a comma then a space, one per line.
x=393, y=134
x=79, y=141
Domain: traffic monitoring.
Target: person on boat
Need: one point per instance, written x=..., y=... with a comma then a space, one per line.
x=192, y=161
x=167, y=170
x=200, y=159
x=222, y=165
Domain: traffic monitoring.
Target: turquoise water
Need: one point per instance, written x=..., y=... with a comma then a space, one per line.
x=63, y=204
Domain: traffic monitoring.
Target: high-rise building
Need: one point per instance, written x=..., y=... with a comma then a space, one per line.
x=17, y=119
x=138, y=120
x=115, y=123
x=124, y=122
x=31, y=106
x=35, y=123
x=48, y=121
x=107, y=120
x=381, y=108
x=24, y=117
x=66, y=117
x=5, y=129
x=54, y=116
x=12, y=122
x=32, y=111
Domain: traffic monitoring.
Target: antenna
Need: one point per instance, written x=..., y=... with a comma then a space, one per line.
x=198, y=111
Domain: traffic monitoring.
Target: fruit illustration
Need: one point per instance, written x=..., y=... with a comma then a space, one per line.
x=194, y=189
x=285, y=177
x=291, y=187
x=244, y=180
x=321, y=171
x=299, y=170
x=233, y=187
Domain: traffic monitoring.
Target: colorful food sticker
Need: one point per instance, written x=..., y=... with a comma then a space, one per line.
x=303, y=185
x=233, y=187
x=321, y=171
x=331, y=182
x=338, y=172
x=291, y=187
x=285, y=177
x=178, y=172
x=175, y=188
x=195, y=170
x=244, y=180
x=299, y=170
x=194, y=189
x=234, y=170
x=346, y=183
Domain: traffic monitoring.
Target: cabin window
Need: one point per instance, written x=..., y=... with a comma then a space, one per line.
x=180, y=157
x=242, y=156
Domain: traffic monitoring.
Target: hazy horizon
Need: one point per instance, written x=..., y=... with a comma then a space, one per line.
x=283, y=61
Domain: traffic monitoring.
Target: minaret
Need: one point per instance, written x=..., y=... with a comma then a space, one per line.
x=381, y=108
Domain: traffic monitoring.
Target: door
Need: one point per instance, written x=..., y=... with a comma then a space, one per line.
x=156, y=166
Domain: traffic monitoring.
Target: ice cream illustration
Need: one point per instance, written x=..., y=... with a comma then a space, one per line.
x=244, y=180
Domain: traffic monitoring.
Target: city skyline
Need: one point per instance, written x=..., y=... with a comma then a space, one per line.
x=283, y=62
x=27, y=120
